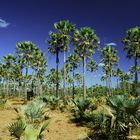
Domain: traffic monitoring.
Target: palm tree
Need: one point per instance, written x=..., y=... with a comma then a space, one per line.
x=109, y=58
x=86, y=42
x=55, y=48
x=73, y=60
x=124, y=77
x=8, y=61
x=65, y=28
x=39, y=65
x=132, y=46
x=118, y=73
x=26, y=53
x=92, y=67
x=52, y=78
x=78, y=79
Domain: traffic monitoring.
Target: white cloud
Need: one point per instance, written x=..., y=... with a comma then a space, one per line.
x=3, y=23
x=100, y=64
x=111, y=44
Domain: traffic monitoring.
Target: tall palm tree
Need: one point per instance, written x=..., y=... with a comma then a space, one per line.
x=132, y=46
x=55, y=48
x=86, y=42
x=52, y=78
x=73, y=60
x=92, y=67
x=109, y=58
x=26, y=53
x=65, y=28
x=39, y=65
x=8, y=62
x=78, y=79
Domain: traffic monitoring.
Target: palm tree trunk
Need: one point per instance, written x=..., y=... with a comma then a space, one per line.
x=84, y=77
x=136, y=74
x=57, y=62
x=109, y=84
x=3, y=91
x=25, y=85
x=64, y=75
x=92, y=85
x=8, y=86
x=73, y=84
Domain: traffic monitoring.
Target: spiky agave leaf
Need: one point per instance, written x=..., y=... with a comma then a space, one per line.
x=17, y=128
x=30, y=133
x=43, y=128
x=35, y=132
x=107, y=113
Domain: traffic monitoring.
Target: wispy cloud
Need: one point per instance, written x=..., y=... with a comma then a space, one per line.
x=101, y=64
x=111, y=44
x=3, y=23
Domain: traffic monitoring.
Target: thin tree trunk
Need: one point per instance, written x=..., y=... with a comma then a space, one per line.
x=3, y=91
x=57, y=84
x=64, y=76
x=8, y=87
x=25, y=85
x=14, y=88
x=73, y=84
x=92, y=85
x=84, y=77
x=136, y=75
x=110, y=83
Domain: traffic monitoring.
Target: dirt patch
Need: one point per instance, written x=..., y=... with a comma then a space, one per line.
x=60, y=128
x=6, y=117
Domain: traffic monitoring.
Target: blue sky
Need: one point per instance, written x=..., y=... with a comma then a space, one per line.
x=22, y=20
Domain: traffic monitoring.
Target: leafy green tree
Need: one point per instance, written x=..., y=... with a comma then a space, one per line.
x=86, y=42
x=132, y=46
x=109, y=58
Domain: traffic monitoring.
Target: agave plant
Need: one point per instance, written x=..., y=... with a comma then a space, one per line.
x=32, y=113
x=17, y=128
x=50, y=100
x=35, y=133
x=79, y=108
x=115, y=117
x=21, y=129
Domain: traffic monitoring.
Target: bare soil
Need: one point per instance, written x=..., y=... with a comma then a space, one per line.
x=59, y=128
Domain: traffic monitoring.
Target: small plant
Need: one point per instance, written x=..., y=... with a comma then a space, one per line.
x=51, y=101
x=2, y=102
x=32, y=113
x=17, y=128
x=35, y=133
x=27, y=131
x=79, y=108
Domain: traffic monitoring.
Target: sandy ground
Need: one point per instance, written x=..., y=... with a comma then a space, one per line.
x=6, y=117
x=60, y=127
